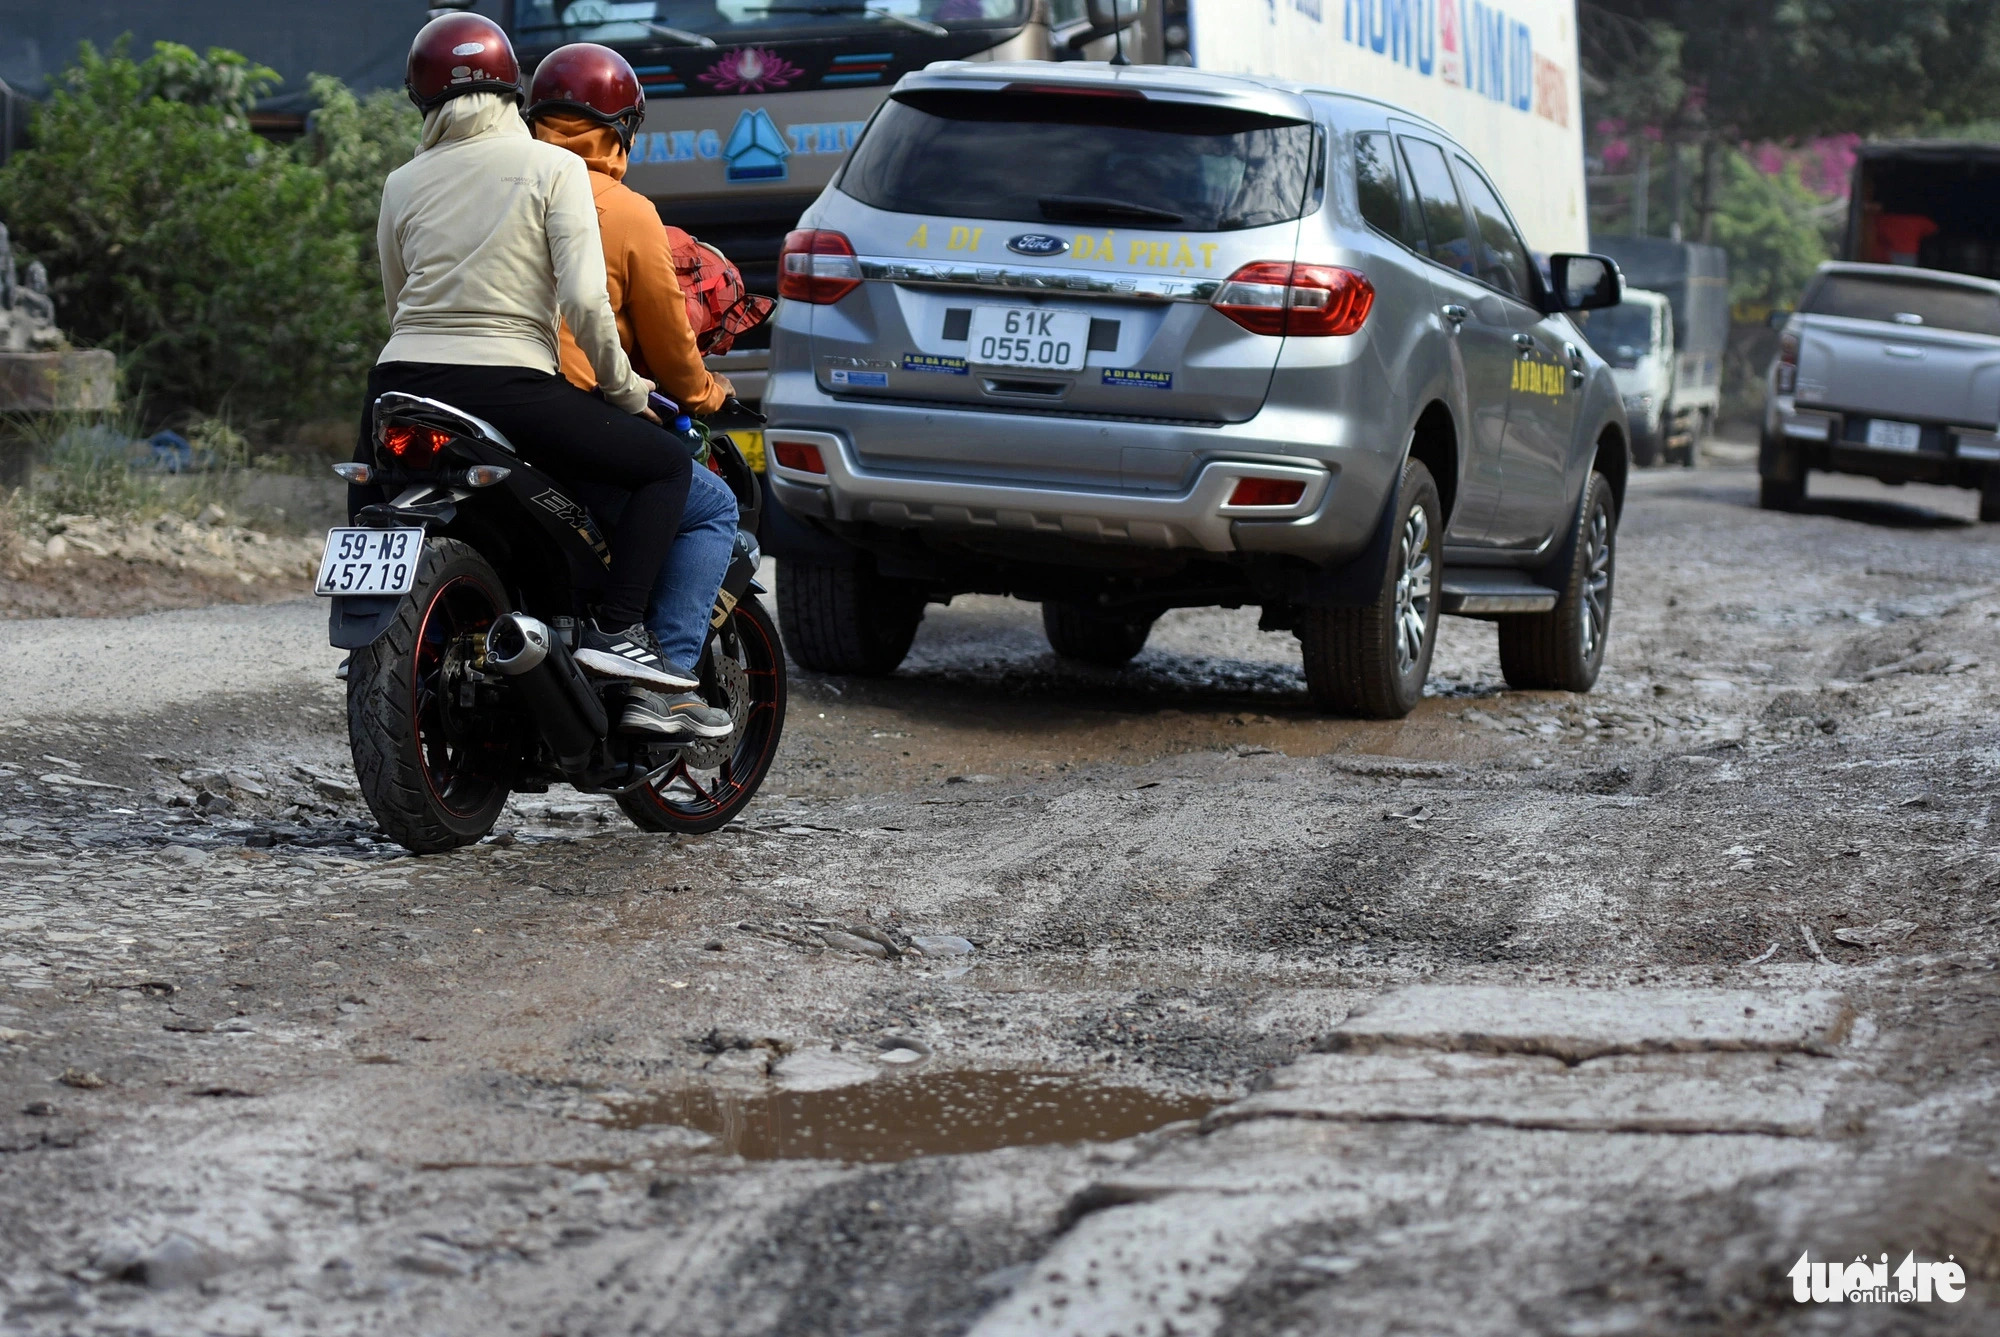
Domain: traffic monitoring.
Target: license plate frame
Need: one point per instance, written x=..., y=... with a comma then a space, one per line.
x=369, y=562
x=1905, y=438
x=1028, y=338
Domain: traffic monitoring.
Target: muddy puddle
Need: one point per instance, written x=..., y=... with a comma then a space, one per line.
x=936, y=1113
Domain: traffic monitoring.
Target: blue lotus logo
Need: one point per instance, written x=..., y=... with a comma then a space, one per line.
x=1037, y=243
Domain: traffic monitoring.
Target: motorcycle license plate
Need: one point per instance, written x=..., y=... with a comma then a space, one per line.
x=369, y=561
x=1886, y=435
x=1022, y=336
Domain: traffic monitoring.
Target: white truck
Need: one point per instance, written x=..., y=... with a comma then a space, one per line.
x=1666, y=343
x=1501, y=78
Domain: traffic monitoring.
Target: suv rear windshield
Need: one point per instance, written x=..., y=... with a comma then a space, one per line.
x=1901, y=301
x=1095, y=161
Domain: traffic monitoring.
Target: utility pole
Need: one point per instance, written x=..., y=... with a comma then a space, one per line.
x=1642, y=185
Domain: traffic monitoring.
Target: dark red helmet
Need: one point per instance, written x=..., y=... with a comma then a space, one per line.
x=457, y=54
x=593, y=81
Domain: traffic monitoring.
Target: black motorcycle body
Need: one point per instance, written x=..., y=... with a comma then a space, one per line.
x=463, y=691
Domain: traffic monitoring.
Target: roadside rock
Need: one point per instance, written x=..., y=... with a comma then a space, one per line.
x=1877, y=936
x=819, y=1070
x=943, y=944
x=848, y=942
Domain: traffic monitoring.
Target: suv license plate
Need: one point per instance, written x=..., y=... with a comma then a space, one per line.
x=1886, y=435
x=1023, y=336
x=369, y=561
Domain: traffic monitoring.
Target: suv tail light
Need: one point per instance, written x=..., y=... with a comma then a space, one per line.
x=799, y=456
x=414, y=446
x=1266, y=492
x=817, y=266
x=1277, y=297
x=1788, y=364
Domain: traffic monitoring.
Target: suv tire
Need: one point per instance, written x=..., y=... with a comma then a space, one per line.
x=1092, y=635
x=846, y=619
x=1781, y=494
x=1563, y=649
x=1371, y=662
x=1989, y=498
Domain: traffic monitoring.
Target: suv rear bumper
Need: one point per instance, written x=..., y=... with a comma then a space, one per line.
x=1332, y=520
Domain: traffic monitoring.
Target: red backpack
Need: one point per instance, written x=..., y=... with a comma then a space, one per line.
x=718, y=306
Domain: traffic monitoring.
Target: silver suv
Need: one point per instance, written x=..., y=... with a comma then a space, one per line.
x=1119, y=340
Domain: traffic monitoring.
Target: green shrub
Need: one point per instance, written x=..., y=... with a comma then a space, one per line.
x=225, y=272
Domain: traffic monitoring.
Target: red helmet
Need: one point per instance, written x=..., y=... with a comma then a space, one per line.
x=592, y=81
x=460, y=53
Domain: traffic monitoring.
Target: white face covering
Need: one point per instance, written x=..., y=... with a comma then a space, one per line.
x=472, y=116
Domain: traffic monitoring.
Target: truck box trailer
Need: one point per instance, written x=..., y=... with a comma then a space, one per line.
x=1933, y=204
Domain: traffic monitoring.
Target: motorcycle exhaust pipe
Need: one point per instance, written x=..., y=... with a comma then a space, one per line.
x=547, y=681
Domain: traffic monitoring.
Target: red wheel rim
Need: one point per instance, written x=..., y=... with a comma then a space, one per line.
x=732, y=783
x=460, y=754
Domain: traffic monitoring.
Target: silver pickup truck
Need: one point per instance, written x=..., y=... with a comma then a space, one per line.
x=1886, y=371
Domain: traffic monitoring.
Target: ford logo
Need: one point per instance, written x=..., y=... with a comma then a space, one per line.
x=1037, y=243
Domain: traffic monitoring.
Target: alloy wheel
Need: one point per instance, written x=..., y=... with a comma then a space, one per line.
x=1594, y=609
x=1414, y=570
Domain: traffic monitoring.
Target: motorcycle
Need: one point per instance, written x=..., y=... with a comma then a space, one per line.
x=461, y=601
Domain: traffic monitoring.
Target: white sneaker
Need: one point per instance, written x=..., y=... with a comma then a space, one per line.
x=631, y=654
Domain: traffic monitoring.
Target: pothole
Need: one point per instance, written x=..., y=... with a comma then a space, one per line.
x=936, y=1113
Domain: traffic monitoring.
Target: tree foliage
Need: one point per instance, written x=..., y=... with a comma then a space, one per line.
x=229, y=274
x=1787, y=69
x=1775, y=229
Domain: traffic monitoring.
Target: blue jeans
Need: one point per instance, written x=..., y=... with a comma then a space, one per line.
x=684, y=595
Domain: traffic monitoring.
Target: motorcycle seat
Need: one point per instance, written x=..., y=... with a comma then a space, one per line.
x=468, y=424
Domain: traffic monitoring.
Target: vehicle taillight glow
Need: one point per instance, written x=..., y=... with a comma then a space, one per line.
x=817, y=266
x=1788, y=364
x=1267, y=492
x=799, y=457
x=414, y=445
x=1308, y=301
x=1076, y=90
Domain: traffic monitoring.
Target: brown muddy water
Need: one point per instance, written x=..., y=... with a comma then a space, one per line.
x=939, y=1113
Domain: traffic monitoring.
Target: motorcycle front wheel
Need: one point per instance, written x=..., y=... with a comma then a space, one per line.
x=710, y=783
x=434, y=770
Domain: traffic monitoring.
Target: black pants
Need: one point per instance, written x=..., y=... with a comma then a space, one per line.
x=574, y=436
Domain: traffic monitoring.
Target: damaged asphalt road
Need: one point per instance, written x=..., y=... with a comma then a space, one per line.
x=1528, y=1014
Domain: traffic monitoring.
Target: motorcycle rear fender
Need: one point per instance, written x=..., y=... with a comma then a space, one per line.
x=359, y=620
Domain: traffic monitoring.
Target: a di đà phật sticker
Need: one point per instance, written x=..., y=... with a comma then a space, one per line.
x=934, y=363
x=1141, y=380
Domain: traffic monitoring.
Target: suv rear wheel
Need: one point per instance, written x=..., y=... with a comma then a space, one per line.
x=1371, y=662
x=1092, y=635
x=846, y=619
x=1989, y=498
x=1781, y=493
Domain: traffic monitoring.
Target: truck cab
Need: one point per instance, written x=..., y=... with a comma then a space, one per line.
x=1636, y=338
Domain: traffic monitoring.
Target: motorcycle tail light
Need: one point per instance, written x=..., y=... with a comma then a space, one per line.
x=817, y=266
x=414, y=445
x=1788, y=364
x=1306, y=301
x=799, y=457
x=1267, y=492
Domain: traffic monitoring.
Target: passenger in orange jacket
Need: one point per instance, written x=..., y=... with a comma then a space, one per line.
x=638, y=268
x=585, y=98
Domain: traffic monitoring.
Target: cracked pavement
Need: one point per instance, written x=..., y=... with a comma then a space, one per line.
x=1527, y=1014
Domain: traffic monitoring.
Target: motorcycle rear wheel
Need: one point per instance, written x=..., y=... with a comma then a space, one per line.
x=706, y=787
x=435, y=773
